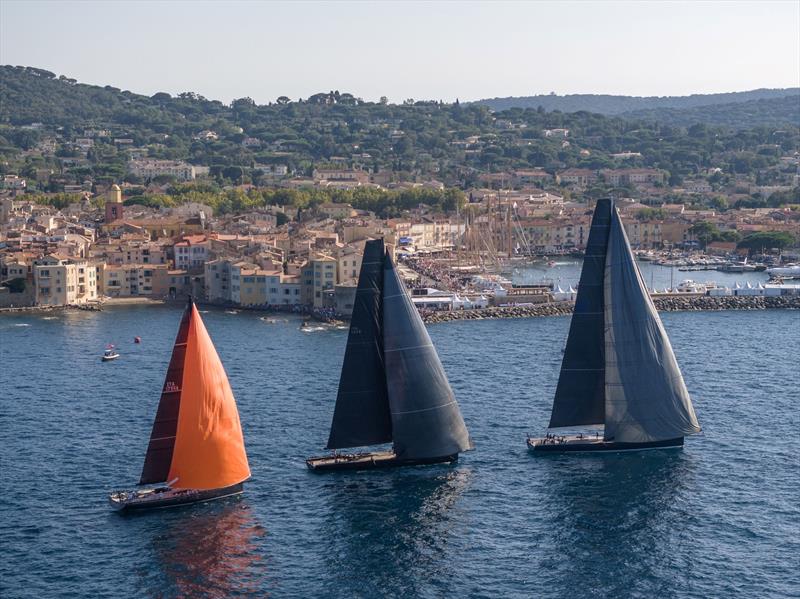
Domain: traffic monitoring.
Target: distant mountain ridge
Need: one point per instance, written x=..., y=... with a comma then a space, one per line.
x=612, y=105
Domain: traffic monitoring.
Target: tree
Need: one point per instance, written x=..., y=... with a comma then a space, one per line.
x=282, y=100
x=766, y=240
x=705, y=232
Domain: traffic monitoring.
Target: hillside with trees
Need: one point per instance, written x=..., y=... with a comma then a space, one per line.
x=652, y=106
x=43, y=116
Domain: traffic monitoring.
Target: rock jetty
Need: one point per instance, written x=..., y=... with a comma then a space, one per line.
x=663, y=304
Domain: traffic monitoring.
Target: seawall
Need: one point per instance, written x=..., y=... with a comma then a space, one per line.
x=663, y=304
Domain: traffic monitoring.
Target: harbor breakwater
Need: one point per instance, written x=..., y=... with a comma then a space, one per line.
x=663, y=304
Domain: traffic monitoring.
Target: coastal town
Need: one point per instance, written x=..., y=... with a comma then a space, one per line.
x=136, y=198
x=103, y=248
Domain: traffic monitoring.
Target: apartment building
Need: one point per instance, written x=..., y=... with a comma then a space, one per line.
x=62, y=281
x=149, y=168
x=229, y=280
x=132, y=280
x=192, y=252
x=318, y=276
x=579, y=177
x=348, y=263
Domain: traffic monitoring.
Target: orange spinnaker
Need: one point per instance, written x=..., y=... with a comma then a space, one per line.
x=209, y=448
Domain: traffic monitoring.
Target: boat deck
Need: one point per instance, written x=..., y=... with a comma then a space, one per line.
x=591, y=443
x=163, y=497
x=366, y=461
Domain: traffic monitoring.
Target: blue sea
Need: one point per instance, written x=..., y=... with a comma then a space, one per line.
x=721, y=518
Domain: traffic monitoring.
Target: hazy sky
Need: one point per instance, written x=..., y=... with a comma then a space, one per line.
x=421, y=50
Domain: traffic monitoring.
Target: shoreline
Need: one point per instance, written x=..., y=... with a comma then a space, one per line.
x=688, y=303
x=663, y=304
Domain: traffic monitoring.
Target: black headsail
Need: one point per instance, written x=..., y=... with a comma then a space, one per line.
x=646, y=398
x=580, y=394
x=361, y=416
x=426, y=420
x=158, y=459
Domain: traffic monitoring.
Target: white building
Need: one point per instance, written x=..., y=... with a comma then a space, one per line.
x=149, y=168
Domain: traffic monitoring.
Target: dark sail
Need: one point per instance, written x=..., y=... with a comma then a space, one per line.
x=426, y=420
x=646, y=398
x=580, y=394
x=361, y=416
x=162, y=438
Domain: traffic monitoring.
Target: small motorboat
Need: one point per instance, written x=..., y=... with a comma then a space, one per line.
x=231, y=311
x=110, y=354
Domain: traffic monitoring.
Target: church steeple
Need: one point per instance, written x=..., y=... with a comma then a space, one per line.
x=113, y=203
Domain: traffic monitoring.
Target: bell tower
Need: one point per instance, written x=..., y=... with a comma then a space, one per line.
x=114, y=204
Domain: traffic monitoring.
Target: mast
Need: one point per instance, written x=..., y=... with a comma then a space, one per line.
x=645, y=396
x=580, y=394
x=426, y=420
x=361, y=416
x=197, y=438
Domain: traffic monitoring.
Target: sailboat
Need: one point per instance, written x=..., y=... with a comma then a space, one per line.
x=196, y=451
x=619, y=373
x=393, y=388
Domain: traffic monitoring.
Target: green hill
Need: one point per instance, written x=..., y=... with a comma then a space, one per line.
x=764, y=106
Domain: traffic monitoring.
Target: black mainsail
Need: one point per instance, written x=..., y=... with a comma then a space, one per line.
x=426, y=420
x=393, y=387
x=619, y=370
x=580, y=394
x=361, y=416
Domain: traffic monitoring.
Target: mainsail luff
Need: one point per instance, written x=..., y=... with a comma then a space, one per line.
x=580, y=394
x=162, y=437
x=645, y=395
x=361, y=416
x=426, y=420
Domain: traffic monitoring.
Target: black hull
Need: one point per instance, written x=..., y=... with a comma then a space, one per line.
x=174, y=499
x=573, y=445
x=370, y=461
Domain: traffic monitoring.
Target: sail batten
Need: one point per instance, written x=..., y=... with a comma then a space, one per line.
x=426, y=420
x=361, y=416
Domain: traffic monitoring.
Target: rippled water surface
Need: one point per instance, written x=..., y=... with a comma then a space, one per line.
x=719, y=518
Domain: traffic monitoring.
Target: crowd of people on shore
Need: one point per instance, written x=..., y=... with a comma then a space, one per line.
x=438, y=273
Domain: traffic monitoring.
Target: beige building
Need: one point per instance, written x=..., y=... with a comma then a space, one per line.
x=63, y=281
x=318, y=278
x=348, y=263
x=132, y=280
